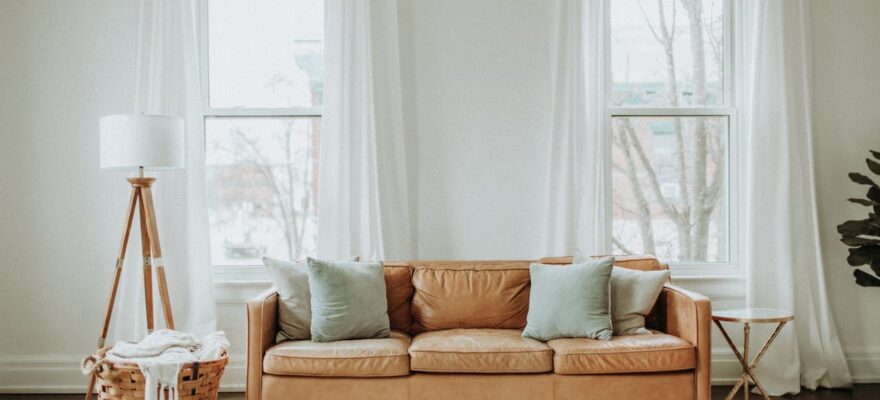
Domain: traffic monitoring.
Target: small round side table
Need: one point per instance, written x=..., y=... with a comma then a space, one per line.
x=748, y=316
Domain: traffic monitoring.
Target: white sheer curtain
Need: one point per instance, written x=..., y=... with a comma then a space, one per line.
x=362, y=198
x=168, y=84
x=784, y=259
x=575, y=193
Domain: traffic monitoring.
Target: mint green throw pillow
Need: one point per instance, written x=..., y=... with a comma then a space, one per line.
x=571, y=301
x=348, y=300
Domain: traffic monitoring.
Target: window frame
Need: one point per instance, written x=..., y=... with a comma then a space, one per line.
x=226, y=272
x=735, y=172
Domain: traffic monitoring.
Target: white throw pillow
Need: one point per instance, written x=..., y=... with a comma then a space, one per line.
x=291, y=280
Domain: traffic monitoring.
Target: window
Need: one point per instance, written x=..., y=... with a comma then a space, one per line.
x=672, y=126
x=263, y=81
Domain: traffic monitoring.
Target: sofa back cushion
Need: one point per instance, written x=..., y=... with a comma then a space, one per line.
x=399, y=291
x=469, y=294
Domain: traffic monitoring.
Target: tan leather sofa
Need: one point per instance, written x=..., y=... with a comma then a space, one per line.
x=456, y=335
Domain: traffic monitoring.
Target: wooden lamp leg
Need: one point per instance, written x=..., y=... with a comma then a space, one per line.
x=746, y=333
x=117, y=274
x=147, y=197
x=148, y=268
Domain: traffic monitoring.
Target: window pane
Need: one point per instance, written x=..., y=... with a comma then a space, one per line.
x=669, y=187
x=262, y=187
x=666, y=53
x=265, y=53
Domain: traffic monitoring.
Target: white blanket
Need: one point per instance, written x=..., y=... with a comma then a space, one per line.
x=155, y=344
x=161, y=354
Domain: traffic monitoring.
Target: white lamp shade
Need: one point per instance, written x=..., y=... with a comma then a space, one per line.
x=137, y=140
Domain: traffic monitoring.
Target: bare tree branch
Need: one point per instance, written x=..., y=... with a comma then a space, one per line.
x=620, y=246
x=648, y=22
x=643, y=208
x=669, y=209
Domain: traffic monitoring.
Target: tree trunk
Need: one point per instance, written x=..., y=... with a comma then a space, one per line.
x=643, y=208
x=700, y=232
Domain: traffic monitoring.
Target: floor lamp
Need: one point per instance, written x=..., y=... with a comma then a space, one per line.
x=138, y=142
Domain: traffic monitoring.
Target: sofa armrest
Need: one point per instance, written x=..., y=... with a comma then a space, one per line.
x=262, y=320
x=688, y=315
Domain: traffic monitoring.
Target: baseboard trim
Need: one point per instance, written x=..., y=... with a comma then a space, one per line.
x=61, y=374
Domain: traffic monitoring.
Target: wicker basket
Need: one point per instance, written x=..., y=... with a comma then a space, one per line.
x=124, y=381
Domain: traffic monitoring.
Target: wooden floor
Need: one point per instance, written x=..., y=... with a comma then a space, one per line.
x=859, y=392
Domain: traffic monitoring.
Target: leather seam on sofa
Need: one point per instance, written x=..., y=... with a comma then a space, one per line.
x=623, y=371
x=339, y=358
x=465, y=269
x=481, y=352
x=308, y=374
x=469, y=371
x=626, y=351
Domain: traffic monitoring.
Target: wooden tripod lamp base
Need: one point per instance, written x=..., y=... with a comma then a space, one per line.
x=140, y=202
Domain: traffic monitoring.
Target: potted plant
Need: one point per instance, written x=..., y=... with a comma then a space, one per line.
x=863, y=235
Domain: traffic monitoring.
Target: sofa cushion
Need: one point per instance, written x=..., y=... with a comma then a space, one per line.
x=352, y=358
x=470, y=294
x=622, y=354
x=479, y=351
x=399, y=291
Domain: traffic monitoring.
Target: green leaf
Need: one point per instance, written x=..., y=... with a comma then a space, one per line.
x=863, y=255
x=856, y=260
x=874, y=193
x=865, y=279
x=858, y=241
x=875, y=266
x=874, y=166
x=863, y=202
x=853, y=228
x=861, y=179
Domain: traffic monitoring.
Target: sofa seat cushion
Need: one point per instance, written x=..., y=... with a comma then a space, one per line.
x=623, y=354
x=479, y=351
x=345, y=358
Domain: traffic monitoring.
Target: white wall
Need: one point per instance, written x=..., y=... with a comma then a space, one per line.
x=478, y=94
x=476, y=102
x=846, y=123
x=64, y=63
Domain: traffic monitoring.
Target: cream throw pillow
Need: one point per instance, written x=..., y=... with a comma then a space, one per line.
x=633, y=294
